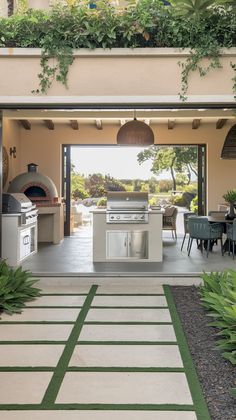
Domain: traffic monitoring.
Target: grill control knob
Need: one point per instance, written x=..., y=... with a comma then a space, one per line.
x=118, y=217
x=142, y=217
x=112, y=217
x=136, y=217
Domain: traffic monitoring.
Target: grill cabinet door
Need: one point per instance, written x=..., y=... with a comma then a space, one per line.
x=138, y=244
x=117, y=244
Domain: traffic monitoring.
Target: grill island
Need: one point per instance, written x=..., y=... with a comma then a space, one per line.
x=127, y=230
x=19, y=228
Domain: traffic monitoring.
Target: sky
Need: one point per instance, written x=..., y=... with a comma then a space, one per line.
x=119, y=162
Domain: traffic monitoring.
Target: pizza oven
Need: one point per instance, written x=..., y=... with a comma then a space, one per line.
x=39, y=188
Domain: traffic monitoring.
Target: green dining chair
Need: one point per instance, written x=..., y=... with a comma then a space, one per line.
x=200, y=229
x=186, y=231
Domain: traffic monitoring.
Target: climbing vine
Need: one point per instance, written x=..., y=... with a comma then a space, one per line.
x=149, y=23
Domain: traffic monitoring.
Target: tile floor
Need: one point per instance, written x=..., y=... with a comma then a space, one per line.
x=97, y=353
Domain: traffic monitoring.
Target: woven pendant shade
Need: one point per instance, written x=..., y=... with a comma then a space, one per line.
x=136, y=133
x=229, y=148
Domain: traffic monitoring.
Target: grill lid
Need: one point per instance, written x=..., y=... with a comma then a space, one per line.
x=127, y=201
x=16, y=203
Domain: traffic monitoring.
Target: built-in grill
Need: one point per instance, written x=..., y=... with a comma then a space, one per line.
x=127, y=207
x=18, y=203
x=19, y=228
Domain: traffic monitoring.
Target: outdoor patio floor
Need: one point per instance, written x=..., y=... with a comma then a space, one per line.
x=73, y=256
x=98, y=352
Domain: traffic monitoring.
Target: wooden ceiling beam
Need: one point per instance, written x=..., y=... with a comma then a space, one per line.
x=171, y=124
x=49, y=124
x=26, y=124
x=99, y=124
x=74, y=124
x=196, y=123
x=220, y=123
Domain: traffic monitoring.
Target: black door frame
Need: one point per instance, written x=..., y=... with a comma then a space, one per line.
x=66, y=185
x=66, y=176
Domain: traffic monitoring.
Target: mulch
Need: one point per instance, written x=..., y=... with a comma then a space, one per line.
x=216, y=375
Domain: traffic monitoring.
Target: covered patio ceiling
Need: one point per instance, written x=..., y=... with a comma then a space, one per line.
x=171, y=118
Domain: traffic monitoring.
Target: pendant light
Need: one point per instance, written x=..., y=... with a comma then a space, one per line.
x=135, y=133
x=229, y=148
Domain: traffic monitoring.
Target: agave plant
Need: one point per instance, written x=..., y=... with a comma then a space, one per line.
x=230, y=196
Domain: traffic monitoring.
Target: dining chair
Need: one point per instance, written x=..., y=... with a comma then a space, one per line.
x=186, y=231
x=169, y=220
x=231, y=236
x=200, y=228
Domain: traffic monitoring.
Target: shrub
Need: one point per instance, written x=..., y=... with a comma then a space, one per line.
x=102, y=202
x=218, y=296
x=194, y=204
x=178, y=200
x=16, y=288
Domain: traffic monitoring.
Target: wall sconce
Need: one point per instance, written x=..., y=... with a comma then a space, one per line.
x=13, y=152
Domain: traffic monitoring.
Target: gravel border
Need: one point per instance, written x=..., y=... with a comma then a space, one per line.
x=216, y=374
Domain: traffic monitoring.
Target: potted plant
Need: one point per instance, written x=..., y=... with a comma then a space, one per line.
x=230, y=197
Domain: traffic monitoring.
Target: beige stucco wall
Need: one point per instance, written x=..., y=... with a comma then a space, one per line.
x=43, y=147
x=114, y=72
x=11, y=138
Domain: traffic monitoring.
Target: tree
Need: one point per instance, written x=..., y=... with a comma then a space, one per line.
x=78, y=185
x=176, y=159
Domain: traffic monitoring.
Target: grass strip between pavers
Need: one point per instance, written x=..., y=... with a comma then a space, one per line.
x=115, y=407
x=192, y=378
x=91, y=369
x=60, y=370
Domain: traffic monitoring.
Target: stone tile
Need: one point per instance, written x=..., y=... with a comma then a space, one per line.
x=98, y=415
x=49, y=285
x=128, y=289
x=123, y=356
x=129, y=301
x=124, y=388
x=58, y=301
x=127, y=333
x=37, y=314
x=34, y=332
x=30, y=355
x=23, y=387
x=135, y=315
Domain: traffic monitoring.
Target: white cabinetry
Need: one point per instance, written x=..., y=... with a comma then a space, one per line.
x=18, y=241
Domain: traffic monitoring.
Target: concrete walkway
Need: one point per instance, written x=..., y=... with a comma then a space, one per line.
x=106, y=352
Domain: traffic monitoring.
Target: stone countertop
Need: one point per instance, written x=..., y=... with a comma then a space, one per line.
x=150, y=211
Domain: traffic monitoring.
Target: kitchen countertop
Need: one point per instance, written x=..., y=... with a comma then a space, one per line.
x=150, y=211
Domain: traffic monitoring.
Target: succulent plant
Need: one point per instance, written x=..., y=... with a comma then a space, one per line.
x=230, y=196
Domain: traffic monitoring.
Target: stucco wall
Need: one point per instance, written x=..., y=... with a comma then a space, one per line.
x=141, y=71
x=11, y=138
x=43, y=147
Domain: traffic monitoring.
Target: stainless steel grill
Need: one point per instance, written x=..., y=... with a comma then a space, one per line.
x=18, y=203
x=127, y=207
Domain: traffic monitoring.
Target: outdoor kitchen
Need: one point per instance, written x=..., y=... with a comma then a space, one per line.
x=128, y=230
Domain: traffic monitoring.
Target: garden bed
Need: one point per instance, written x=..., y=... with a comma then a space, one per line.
x=216, y=375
